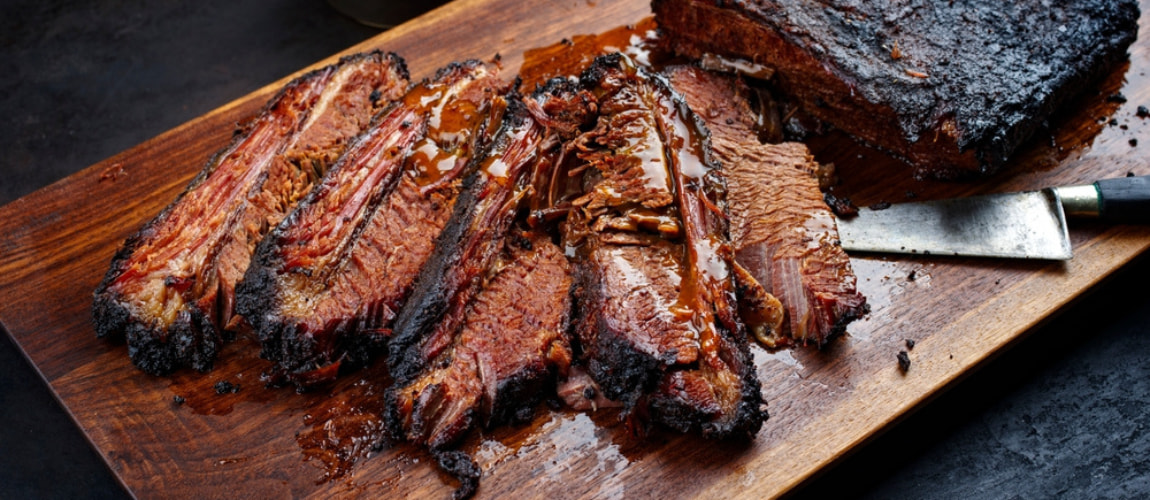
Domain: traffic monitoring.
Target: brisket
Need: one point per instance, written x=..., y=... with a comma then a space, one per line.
x=510, y=345
x=953, y=88
x=325, y=285
x=170, y=288
x=524, y=151
x=656, y=316
x=627, y=323
x=783, y=233
x=484, y=332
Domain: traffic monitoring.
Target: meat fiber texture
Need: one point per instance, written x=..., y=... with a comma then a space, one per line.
x=170, y=288
x=326, y=284
x=783, y=233
x=656, y=313
x=511, y=344
x=952, y=88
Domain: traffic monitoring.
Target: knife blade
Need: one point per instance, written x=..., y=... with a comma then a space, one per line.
x=1029, y=225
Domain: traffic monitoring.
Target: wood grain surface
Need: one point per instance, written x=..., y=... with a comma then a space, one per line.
x=56, y=244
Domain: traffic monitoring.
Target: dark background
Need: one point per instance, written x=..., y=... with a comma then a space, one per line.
x=1065, y=413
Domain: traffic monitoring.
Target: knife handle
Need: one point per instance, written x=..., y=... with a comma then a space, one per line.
x=1124, y=199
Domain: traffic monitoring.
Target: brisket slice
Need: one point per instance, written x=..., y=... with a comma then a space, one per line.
x=783, y=233
x=484, y=331
x=627, y=324
x=170, y=288
x=325, y=285
x=525, y=148
x=656, y=316
x=953, y=88
x=510, y=345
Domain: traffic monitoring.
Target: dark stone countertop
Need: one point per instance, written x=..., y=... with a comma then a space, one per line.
x=1065, y=413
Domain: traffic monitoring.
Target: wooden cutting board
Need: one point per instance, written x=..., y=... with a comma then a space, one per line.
x=56, y=244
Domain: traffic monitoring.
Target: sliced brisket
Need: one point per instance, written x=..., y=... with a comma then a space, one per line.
x=324, y=285
x=656, y=316
x=170, y=288
x=783, y=233
x=511, y=344
x=952, y=88
x=484, y=332
x=627, y=324
x=525, y=149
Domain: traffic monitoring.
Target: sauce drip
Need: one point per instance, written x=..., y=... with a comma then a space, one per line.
x=345, y=432
x=570, y=57
x=455, y=111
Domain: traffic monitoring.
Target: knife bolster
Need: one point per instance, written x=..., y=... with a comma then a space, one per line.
x=1079, y=201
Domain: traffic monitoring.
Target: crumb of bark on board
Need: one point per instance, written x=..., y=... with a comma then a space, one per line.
x=112, y=173
x=1133, y=143
x=842, y=207
x=882, y=205
x=913, y=275
x=910, y=344
x=224, y=387
x=1129, y=173
x=903, y=361
x=1142, y=112
x=1116, y=97
x=178, y=400
x=1113, y=122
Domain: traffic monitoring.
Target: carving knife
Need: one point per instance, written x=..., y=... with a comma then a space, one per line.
x=1029, y=225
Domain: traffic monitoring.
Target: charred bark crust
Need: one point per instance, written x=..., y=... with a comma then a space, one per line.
x=623, y=372
x=951, y=88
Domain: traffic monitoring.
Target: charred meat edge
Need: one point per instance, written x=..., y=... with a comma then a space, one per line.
x=508, y=351
x=190, y=330
x=486, y=208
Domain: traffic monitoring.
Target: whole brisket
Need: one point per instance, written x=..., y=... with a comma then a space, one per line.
x=783, y=233
x=170, y=289
x=326, y=284
x=953, y=88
